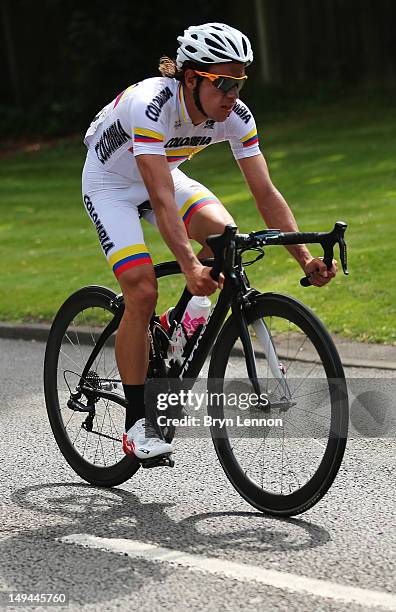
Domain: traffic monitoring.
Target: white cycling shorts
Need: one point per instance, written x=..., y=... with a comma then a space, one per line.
x=112, y=201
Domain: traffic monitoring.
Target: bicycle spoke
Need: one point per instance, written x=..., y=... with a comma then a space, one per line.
x=71, y=416
x=68, y=357
x=109, y=417
x=282, y=460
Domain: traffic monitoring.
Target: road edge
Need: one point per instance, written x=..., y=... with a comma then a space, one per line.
x=39, y=332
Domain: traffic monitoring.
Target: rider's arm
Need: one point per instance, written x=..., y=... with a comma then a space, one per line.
x=148, y=130
x=277, y=214
x=158, y=180
x=270, y=203
x=241, y=131
x=159, y=184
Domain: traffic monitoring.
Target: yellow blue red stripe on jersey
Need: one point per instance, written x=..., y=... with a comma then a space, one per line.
x=250, y=139
x=173, y=155
x=121, y=95
x=144, y=135
x=197, y=201
x=129, y=257
x=118, y=98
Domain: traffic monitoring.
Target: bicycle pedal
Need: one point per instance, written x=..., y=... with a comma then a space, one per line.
x=160, y=461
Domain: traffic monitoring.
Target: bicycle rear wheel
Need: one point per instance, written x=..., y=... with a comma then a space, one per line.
x=93, y=449
x=282, y=458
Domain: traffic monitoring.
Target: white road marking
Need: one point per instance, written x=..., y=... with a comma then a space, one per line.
x=237, y=571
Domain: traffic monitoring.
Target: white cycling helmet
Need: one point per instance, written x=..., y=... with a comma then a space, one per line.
x=213, y=43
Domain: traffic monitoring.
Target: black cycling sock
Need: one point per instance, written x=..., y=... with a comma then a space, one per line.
x=134, y=394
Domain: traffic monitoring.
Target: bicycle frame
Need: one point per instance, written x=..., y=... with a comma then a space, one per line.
x=237, y=294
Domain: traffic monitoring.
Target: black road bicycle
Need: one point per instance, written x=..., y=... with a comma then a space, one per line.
x=271, y=345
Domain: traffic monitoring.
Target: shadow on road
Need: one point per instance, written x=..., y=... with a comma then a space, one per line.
x=34, y=561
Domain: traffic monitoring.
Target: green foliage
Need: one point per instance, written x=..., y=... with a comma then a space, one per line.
x=333, y=163
x=63, y=60
x=73, y=57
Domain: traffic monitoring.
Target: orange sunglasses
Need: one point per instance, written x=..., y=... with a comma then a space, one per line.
x=225, y=82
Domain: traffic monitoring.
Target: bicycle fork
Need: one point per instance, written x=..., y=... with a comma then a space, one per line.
x=265, y=341
x=266, y=344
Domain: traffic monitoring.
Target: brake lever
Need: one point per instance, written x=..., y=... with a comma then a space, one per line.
x=328, y=251
x=343, y=255
x=218, y=243
x=216, y=270
x=339, y=229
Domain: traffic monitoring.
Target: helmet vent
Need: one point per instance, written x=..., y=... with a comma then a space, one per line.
x=244, y=46
x=220, y=55
x=191, y=49
x=217, y=37
x=233, y=45
x=194, y=36
x=212, y=43
x=207, y=60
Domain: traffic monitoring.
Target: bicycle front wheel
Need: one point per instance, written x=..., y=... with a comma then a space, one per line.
x=281, y=455
x=89, y=441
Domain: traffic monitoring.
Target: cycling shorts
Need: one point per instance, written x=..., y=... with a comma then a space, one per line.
x=112, y=202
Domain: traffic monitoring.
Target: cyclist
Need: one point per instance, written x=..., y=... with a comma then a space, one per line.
x=135, y=146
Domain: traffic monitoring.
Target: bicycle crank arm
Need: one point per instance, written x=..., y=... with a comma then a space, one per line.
x=161, y=461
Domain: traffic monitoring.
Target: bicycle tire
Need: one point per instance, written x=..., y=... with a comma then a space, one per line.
x=268, y=305
x=81, y=300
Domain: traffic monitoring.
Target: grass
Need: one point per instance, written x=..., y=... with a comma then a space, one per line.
x=333, y=162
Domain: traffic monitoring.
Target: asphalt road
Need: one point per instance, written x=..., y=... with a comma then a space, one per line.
x=228, y=556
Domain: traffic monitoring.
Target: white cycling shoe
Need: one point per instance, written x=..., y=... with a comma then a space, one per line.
x=143, y=441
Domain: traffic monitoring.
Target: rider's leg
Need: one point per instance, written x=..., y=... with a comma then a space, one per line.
x=118, y=225
x=139, y=288
x=210, y=219
x=202, y=212
x=115, y=216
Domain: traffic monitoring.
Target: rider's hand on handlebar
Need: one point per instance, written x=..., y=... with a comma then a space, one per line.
x=199, y=281
x=318, y=273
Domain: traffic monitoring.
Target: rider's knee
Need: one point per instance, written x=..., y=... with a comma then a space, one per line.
x=140, y=293
x=209, y=220
x=219, y=225
x=141, y=298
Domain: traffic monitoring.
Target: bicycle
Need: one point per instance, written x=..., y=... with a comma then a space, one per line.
x=274, y=335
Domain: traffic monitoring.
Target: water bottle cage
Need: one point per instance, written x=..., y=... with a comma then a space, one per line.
x=161, y=338
x=191, y=342
x=177, y=342
x=183, y=351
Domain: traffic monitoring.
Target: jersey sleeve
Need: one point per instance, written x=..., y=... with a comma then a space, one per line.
x=149, y=123
x=242, y=132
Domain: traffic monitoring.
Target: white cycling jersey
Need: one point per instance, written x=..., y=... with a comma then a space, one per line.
x=151, y=117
